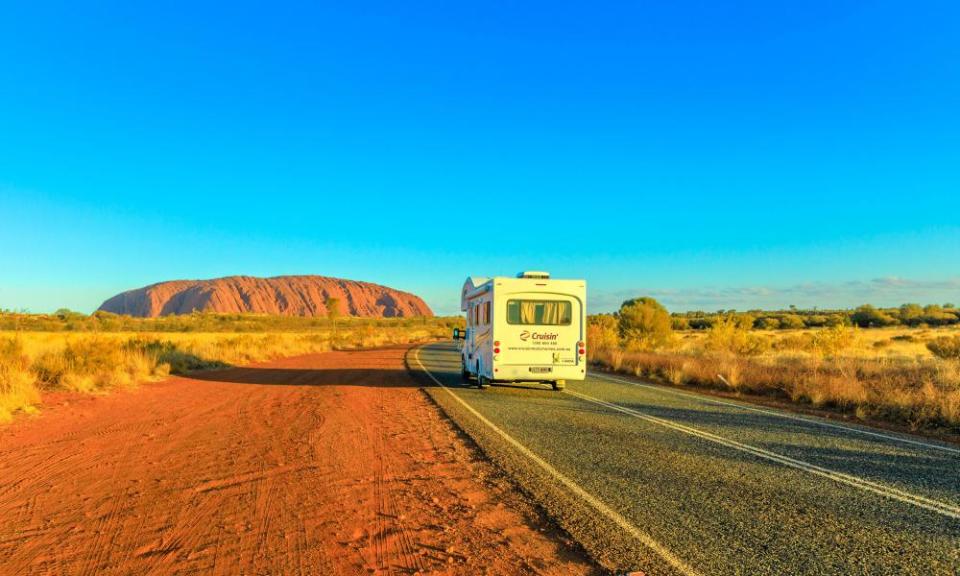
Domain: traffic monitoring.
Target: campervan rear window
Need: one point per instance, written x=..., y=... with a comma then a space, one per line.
x=539, y=312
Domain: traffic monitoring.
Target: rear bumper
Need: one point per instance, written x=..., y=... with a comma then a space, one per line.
x=523, y=373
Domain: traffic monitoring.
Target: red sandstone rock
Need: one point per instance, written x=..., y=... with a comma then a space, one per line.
x=283, y=295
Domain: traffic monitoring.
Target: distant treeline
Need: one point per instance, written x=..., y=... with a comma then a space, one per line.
x=866, y=316
x=70, y=321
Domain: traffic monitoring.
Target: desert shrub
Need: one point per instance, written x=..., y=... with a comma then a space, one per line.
x=644, y=324
x=935, y=315
x=18, y=390
x=728, y=335
x=95, y=363
x=602, y=332
x=795, y=342
x=911, y=314
x=831, y=341
x=921, y=394
x=867, y=316
x=791, y=322
x=701, y=322
x=767, y=323
x=816, y=321
x=946, y=347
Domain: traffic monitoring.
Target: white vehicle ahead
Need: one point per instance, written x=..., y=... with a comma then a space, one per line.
x=526, y=329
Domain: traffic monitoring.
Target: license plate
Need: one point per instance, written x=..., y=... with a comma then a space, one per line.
x=541, y=369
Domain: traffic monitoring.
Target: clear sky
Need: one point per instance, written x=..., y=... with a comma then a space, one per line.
x=713, y=154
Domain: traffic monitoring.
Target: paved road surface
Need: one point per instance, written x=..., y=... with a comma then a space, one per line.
x=650, y=477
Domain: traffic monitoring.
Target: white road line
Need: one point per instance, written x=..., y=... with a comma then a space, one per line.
x=780, y=414
x=937, y=506
x=593, y=501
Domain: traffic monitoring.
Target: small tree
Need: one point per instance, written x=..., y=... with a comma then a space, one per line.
x=644, y=323
x=333, y=312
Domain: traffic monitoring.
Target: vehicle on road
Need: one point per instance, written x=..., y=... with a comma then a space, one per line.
x=531, y=328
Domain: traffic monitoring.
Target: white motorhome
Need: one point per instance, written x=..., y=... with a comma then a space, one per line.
x=531, y=328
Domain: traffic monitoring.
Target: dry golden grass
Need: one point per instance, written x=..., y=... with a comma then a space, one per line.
x=876, y=374
x=31, y=362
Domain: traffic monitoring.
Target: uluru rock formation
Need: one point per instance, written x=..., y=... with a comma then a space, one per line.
x=283, y=295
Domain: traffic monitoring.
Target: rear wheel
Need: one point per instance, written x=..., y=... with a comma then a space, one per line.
x=464, y=373
x=559, y=384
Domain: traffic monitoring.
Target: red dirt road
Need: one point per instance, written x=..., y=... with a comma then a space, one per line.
x=325, y=464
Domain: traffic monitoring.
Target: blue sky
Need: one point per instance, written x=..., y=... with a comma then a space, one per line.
x=715, y=155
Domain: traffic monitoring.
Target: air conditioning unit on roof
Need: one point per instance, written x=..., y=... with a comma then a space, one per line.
x=538, y=274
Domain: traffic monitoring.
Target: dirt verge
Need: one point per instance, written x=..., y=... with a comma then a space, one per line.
x=332, y=463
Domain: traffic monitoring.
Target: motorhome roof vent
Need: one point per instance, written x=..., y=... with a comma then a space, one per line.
x=534, y=274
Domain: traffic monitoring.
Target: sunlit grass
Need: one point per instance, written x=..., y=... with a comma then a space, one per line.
x=876, y=374
x=99, y=362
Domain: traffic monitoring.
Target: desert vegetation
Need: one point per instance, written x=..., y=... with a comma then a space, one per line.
x=104, y=352
x=865, y=316
x=898, y=365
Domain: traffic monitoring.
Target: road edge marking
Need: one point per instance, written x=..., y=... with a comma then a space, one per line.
x=930, y=504
x=779, y=414
x=590, y=499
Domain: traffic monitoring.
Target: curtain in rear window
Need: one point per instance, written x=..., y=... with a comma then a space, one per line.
x=539, y=312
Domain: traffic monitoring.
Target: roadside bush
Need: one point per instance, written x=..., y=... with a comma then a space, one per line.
x=728, y=335
x=602, y=332
x=644, y=324
x=831, y=341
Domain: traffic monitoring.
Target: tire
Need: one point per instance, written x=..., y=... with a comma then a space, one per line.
x=464, y=373
x=559, y=384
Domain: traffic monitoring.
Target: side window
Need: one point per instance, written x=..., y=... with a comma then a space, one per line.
x=486, y=312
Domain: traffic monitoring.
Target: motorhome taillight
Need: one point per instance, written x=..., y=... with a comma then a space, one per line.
x=496, y=350
x=496, y=342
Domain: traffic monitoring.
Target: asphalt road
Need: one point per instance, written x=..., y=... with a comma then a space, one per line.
x=652, y=478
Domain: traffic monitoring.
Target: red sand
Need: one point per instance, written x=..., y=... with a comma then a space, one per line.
x=325, y=464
